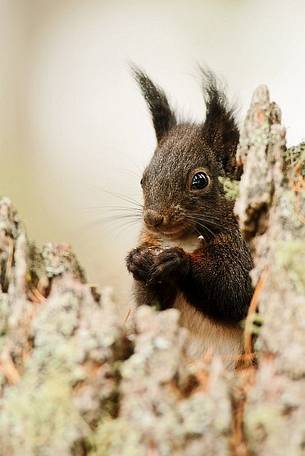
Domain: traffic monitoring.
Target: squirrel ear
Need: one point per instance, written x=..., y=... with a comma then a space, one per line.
x=220, y=127
x=163, y=117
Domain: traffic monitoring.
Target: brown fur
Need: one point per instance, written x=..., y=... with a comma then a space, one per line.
x=191, y=254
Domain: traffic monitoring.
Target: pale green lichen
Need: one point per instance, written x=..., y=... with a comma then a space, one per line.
x=262, y=420
x=10, y=222
x=58, y=259
x=45, y=413
x=4, y=313
x=230, y=187
x=116, y=438
x=253, y=324
x=295, y=158
x=38, y=416
x=290, y=256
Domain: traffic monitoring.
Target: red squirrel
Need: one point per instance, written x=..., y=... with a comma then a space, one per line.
x=191, y=254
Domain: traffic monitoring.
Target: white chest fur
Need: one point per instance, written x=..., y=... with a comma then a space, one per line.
x=189, y=244
x=206, y=335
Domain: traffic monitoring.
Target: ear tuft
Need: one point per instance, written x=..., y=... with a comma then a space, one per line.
x=220, y=127
x=163, y=117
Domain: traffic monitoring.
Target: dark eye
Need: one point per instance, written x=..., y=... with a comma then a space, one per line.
x=200, y=180
x=141, y=182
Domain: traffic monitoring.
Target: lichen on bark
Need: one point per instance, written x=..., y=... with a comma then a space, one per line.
x=271, y=210
x=76, y=380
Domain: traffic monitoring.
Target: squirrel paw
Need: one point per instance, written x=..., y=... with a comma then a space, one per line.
x=140, y=262
x=169, y=263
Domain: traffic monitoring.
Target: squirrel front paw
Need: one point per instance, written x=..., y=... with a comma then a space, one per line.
x=170, y=263
x=140, y=262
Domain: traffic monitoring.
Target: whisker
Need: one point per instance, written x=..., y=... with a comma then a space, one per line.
x=206, y=220
x=198, y=232
x=126, y=225
x=201, y=224
x=110, y=218
x=207, y=229
x=113, y=228
x=116, y=208
x=123, y=198
x=205, y=216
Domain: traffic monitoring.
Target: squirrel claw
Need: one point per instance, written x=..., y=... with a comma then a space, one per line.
x=139, y=262
x=168, y=264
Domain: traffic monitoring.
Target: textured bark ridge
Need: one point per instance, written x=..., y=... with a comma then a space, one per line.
x=74, y=380
x=272, y=216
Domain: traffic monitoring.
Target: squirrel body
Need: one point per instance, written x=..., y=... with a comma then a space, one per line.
x=191, y=254
x=205, y=333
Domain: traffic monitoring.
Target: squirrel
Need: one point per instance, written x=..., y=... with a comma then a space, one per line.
x=191, y=254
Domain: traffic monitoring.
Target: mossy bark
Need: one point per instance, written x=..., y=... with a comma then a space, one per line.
x=74, y=380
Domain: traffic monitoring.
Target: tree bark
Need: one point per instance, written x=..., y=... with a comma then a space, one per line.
x=74, y=380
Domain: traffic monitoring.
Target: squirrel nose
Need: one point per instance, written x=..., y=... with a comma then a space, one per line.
x=152, y=218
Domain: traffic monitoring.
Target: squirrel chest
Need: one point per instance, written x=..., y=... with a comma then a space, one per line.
x=205, y=334
x=188, y=244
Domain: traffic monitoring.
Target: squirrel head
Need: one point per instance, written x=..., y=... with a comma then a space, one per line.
x=182, y=193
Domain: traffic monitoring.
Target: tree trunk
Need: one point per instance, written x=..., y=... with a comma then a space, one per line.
x=74, y=380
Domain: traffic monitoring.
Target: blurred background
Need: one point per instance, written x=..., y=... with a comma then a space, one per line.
x=74, y=128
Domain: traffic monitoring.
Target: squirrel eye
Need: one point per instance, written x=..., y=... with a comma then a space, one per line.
x=200, y=180
x=141, y=182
